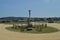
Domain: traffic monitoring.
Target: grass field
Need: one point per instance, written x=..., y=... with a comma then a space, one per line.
x=34, y=30
x=11, y=35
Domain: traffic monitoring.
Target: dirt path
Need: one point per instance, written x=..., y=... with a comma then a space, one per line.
x=10, y=35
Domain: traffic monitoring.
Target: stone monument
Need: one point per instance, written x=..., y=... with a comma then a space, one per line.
x=29, y=27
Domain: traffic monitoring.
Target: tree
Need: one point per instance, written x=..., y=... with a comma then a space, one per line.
x=50, y=20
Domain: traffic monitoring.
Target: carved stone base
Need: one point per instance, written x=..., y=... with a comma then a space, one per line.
x=29, y=28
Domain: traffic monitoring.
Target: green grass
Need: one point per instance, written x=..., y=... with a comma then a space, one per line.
x=12, y=29
x=44, y=30
x=49, y=29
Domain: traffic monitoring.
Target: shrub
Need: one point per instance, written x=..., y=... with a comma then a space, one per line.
x=22, y=28
x=45, y=25
x=39, y=28
x=42, y=25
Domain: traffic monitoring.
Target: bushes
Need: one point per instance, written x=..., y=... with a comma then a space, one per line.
x=40, y=27
x=50, y=21
x=45, y=25
x=30, y=28
x=21, y=28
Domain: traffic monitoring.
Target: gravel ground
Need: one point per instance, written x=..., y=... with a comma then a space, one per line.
x=10, y=35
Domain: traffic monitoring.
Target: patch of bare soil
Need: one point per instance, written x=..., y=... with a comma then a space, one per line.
x=10, y=35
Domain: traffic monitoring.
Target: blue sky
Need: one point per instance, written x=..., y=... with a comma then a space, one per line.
x=39, y=8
